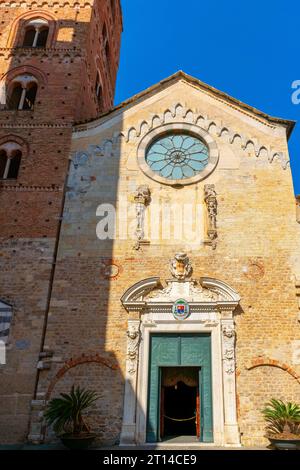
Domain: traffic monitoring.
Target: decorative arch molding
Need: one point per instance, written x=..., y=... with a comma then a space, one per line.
x=25, y=69
x=179, y=113
x=16, y=31
x=73, y=362
x=206, y=293
x=7, y=79
x=41, y=4
x=17, y=139
x=265, y=361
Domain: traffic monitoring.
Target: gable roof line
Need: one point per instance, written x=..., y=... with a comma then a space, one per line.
x=180, y=75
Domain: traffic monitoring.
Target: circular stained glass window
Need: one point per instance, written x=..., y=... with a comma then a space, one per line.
x=177, y=156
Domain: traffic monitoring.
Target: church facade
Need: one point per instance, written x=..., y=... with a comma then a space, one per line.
x=174, y=291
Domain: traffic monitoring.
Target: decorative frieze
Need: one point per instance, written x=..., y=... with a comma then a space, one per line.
x=40, y=4
x=180, y=114
x=7, y=186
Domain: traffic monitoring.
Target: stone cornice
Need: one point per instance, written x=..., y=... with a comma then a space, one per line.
x=41, y=52
x=135, y=299
x=243, y=108
x=41, y=49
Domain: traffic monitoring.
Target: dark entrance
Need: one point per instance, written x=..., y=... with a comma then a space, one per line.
x=180, y=402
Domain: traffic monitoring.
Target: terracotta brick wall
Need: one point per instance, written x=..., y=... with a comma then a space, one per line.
x=30, y=206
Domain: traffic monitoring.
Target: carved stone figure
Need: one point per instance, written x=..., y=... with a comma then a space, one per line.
x=228, y=348
x=142, y=198
x=180, y=266
x=210, y=198
x=133, y=335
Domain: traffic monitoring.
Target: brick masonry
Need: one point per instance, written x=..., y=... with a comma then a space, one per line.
x=30, y=206
x=257, y=250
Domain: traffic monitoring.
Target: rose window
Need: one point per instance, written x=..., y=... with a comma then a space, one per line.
x=177, y=156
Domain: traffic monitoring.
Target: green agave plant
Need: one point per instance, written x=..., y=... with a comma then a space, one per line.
x=65, y=413
x=282, y=417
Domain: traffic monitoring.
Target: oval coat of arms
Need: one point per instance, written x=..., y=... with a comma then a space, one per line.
x=181, y=309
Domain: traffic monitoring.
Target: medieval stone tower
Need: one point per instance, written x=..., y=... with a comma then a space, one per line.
x=58, y=65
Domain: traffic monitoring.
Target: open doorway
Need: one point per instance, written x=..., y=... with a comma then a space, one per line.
x=180, y=402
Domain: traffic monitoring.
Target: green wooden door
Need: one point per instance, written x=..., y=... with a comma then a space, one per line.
x=180, y=350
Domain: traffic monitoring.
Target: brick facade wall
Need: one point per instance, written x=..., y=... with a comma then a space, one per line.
x=30, y=206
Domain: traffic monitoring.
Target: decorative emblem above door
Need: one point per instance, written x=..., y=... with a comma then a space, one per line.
x=181, y=309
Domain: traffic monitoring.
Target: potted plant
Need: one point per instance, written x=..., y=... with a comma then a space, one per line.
x=283, y=424
x=65, y=414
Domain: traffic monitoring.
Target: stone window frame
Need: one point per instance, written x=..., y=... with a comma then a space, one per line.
x=39, y=25
x=11, y=143
x=164, y=129
x=17, y=31
x=15, y=75
x=26, y=82
x=11, y=151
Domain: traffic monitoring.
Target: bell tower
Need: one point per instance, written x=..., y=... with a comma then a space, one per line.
x=58, y=66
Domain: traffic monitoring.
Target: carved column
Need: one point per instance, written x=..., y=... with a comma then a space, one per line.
x=231, y=430
x=210, y=198
x=129, y=413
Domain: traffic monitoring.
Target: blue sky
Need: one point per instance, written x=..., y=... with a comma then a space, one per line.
x=250, y=50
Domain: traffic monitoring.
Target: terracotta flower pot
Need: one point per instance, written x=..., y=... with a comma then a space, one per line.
x=285, y=444
x=78, y=442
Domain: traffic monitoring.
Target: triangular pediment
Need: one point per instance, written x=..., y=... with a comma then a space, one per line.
x=171, y=85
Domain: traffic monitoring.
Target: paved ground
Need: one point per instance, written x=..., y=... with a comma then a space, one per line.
x=159, y=446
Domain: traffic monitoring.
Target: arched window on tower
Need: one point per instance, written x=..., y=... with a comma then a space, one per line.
x=36, y=33
x=99, y=91
x=10, y=160
x=22, y=93
x=106, y=44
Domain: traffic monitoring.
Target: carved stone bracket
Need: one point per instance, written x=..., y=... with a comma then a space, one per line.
x=142, y=198
x=210, y=198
